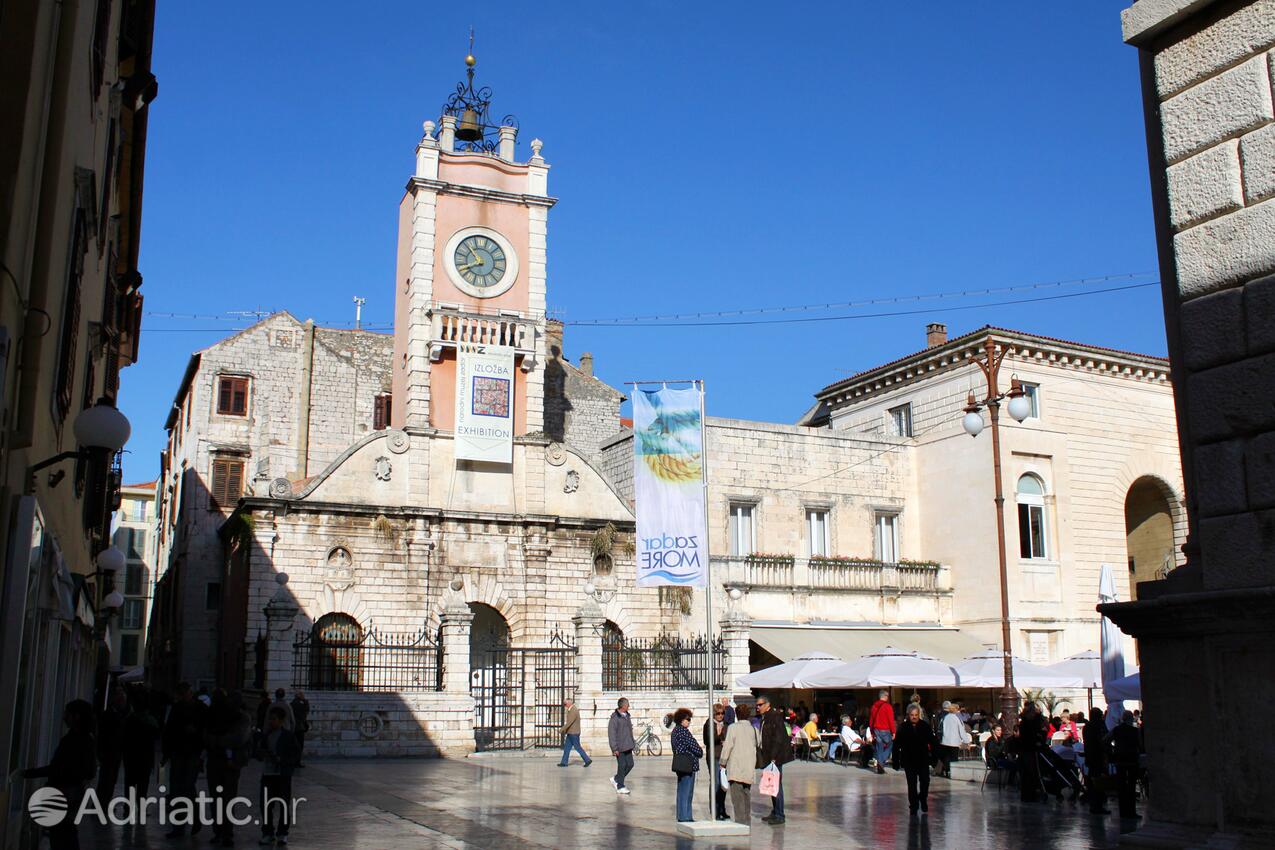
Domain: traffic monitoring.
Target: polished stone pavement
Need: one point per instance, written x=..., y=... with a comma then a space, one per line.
x=517, y=802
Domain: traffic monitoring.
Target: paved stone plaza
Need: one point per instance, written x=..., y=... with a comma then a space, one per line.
x=527, y=802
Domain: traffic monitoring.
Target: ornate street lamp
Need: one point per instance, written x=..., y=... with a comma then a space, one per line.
x=1019, y=407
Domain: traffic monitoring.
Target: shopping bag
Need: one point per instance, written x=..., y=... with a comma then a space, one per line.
x=721, y=778
x=770, y=780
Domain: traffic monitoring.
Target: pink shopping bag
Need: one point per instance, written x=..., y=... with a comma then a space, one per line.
x=770, y=780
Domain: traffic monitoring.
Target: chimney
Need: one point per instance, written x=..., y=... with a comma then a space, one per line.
x=935, y=334
x=586, y=364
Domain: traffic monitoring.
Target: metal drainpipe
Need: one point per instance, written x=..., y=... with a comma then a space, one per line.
x=303, y=410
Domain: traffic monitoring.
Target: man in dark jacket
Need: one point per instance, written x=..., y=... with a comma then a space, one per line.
x=1096, y=762
x=620, y=738
x=917, y=749
x=280, y=755
x=1125, y=744
x=181, y=745
x=110, y=738
x=777, y=747
x=1031, y=739
x=70, y=771
x=301, y=719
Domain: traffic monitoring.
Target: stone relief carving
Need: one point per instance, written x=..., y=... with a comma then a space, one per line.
x=397, y=441
x=280, y=488
x=573, y=482
x=339, y=571
x=383, y=468
x=555, y=454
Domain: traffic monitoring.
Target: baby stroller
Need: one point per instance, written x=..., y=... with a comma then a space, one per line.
x=1057, y=775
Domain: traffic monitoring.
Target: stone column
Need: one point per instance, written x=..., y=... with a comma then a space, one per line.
x=281, y=614
x=735, y=631
x=1206, y=633
x=454, y=628
x=594, y=709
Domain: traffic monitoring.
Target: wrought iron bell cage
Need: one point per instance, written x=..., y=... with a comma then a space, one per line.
x=471, y=107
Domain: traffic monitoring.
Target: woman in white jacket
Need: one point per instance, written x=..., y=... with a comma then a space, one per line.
x=953, y=735
x=739, y=758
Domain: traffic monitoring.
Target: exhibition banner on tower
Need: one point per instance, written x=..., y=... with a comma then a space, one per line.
x=485, y=404
x=668, y=445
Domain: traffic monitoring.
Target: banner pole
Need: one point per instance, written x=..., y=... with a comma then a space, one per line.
x=713, y=779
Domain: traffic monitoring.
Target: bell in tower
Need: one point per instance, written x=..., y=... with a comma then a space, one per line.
x=470, y=105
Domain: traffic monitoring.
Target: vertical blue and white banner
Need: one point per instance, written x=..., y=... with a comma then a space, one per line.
x=668, y=447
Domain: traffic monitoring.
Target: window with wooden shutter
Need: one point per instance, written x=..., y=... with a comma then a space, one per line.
x=381, y=414
x=227, y=482
x=232, y=396
x=64, y=377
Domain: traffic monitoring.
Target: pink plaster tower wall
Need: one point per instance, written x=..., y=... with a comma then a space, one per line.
x=450, y=191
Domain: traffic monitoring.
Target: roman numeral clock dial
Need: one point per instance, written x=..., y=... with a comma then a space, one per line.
x=480, y=261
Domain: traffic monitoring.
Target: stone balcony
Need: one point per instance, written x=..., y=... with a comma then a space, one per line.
x=838, y=589
x=453, y=327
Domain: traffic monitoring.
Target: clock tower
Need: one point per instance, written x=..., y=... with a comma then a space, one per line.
x=471, y=262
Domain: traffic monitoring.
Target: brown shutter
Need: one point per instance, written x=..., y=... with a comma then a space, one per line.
x=223, y=395
x=234, y=482
x=219, y=471
x=239, y=403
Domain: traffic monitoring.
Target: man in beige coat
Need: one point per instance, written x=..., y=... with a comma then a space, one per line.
x=570, y=732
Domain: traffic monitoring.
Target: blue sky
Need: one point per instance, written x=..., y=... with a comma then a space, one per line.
x=706, y=157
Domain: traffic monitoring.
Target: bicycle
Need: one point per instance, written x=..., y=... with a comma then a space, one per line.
x=650, y=740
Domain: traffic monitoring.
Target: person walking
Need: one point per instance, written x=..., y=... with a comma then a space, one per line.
x=301, y=717
x=570, y=732
x=686, y=755
x=1031, y=739
x=110, y=740
x=70, y=771
x=1125, y=748
x=1096, y=762
x=281, y=701
x=916, y=747
x=739, y=757
x=620, y=740
x=953, y=735
x=138, y=739
x=228, y=740
x=776, y=746
x=280, y=755
x=716, y=726
x=182, y=746
x=882, y=727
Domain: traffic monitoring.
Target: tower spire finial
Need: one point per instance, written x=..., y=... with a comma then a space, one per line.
x=469, y=57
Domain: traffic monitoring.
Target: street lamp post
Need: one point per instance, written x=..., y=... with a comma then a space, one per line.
x=1019, y=407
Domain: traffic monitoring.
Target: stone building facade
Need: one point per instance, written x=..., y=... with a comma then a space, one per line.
x=1091, y=477
x=1206, y=630
x=281, y=398
x=134, y=535
x=77, y=92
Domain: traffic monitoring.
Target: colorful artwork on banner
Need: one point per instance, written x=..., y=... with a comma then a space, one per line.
x=668, y=444
x=485, y=404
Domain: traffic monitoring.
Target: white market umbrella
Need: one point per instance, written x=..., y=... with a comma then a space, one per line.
x=790, y=674
x=1112, y=648
x=1087, y=665
x=887, y=667
x=134, y=675
x=987, y=670
x=1130, y=687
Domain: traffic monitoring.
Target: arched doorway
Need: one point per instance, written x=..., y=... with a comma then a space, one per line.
x=1148, y=523
x=336, y=647
x=489, y=630
x=497, y=706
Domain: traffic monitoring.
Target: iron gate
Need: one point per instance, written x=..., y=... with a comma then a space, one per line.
x=518, y=694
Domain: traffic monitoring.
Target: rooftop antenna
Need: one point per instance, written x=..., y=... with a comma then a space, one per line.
x=358, y=312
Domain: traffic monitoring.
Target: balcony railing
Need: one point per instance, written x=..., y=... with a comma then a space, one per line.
x=451, y=327
x=831, y=574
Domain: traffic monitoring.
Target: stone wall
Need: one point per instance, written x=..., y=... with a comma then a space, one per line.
x=365, y=725
x=580, y=410
x=1206, y=631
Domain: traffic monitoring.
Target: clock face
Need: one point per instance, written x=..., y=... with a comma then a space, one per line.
x=480, y=262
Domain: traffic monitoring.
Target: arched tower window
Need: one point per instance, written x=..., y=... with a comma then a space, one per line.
x=1032, y=532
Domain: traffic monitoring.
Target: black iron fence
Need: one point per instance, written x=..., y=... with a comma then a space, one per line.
x=663, y=663
x=357, y=660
